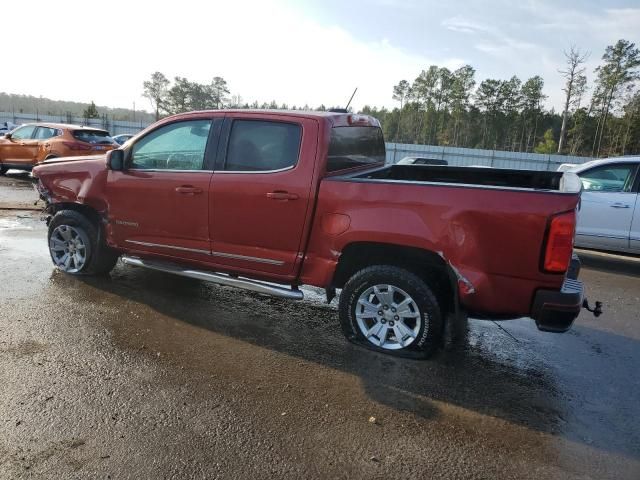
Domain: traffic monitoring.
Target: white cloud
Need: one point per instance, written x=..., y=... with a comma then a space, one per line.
x=264, y=51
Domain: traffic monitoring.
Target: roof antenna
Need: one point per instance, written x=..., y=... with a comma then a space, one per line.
x=345, y=109
x=354, y=94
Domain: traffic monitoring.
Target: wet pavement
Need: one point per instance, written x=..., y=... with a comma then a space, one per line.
x=16, y=191
x=146, y=375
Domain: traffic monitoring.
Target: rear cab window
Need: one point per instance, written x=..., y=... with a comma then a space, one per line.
x=355, y=146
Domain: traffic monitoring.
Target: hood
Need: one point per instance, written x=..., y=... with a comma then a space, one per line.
x=70, y=166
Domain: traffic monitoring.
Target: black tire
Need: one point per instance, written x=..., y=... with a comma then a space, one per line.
x=100, y=259
x=3, y=170
x=428, y=334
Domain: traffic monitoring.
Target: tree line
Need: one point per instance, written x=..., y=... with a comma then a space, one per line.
x=449, y=108
x=20, y=104
x=183, y=95
x=444, y=107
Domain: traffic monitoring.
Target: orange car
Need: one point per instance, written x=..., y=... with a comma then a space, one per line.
x=30, y=144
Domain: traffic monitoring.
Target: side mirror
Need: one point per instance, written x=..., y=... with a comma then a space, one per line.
x=115, y=160
x=7, y=135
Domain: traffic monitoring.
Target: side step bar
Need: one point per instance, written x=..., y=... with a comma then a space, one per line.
x=219, y=278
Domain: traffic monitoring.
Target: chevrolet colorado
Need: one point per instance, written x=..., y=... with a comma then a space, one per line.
x=271, y=200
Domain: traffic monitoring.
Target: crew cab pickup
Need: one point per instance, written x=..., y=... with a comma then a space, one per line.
x=272, y=200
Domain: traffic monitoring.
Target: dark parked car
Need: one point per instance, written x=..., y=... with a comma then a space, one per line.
x=122, y=138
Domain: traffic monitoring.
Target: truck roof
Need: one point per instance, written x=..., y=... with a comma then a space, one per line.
x=337, y=119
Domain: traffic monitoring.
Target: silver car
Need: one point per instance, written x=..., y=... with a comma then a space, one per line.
x=609, y=216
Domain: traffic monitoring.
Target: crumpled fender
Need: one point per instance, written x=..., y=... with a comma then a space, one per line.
x=80, y=181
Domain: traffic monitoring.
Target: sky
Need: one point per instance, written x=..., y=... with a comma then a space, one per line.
x=298, y=52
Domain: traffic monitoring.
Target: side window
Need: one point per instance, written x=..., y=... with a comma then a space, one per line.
x=178, y=146
x=43, y=133
x=608, y=178
x=256, y=146
x=23, y=133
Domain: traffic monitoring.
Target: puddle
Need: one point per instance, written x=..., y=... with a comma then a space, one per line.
x=11, y=224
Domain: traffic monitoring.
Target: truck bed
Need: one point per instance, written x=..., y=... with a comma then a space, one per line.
x=474, y=176
x=488, y=224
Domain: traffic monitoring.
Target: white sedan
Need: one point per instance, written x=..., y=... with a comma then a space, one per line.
x=609, y=216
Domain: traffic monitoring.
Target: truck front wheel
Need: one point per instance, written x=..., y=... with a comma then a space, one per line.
x=391, y=310
x=76, y=246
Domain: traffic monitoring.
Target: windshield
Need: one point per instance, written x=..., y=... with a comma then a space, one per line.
x=100, y=137
x=355, y=147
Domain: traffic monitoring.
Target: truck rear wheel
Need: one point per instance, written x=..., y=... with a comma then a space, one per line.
x=76, y=246
x=391, y=310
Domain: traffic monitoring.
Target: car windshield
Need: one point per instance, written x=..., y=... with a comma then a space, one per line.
x=99, y=137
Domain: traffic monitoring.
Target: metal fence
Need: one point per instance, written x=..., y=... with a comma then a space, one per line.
x=395, y=151
x=487, y=158
x=115, y=127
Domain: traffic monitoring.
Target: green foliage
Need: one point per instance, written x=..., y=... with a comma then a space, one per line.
x=548, y=144
x=616, y=76
x=441, y=108
x=90, y=112
x=156, y=91
x=184, y=95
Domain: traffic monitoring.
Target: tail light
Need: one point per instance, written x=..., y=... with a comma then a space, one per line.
x=560, y=237
x=76, y=146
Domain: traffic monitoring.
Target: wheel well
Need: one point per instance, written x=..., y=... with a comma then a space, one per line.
x=87, y=211
x=428, y=265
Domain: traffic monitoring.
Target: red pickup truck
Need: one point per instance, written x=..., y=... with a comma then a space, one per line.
x=271, y=200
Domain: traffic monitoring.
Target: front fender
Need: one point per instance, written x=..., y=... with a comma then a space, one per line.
x=81, y=182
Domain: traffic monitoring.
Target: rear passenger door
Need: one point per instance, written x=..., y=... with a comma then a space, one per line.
x=261, y=192
x=43, y=136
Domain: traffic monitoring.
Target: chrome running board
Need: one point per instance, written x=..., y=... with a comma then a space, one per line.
x=219, y=278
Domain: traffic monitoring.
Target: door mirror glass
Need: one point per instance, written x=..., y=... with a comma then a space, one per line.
x=115, y=160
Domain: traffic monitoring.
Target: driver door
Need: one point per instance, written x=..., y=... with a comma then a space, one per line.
x=160, y=203
x=21, y=149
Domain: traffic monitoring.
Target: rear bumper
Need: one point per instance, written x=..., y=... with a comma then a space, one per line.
x=555, y=310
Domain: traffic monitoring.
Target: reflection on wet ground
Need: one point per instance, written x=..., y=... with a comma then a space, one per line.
x=518, y=404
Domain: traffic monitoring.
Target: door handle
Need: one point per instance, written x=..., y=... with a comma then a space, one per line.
x=188, y=190
x=620, y=205
x=283, y=196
